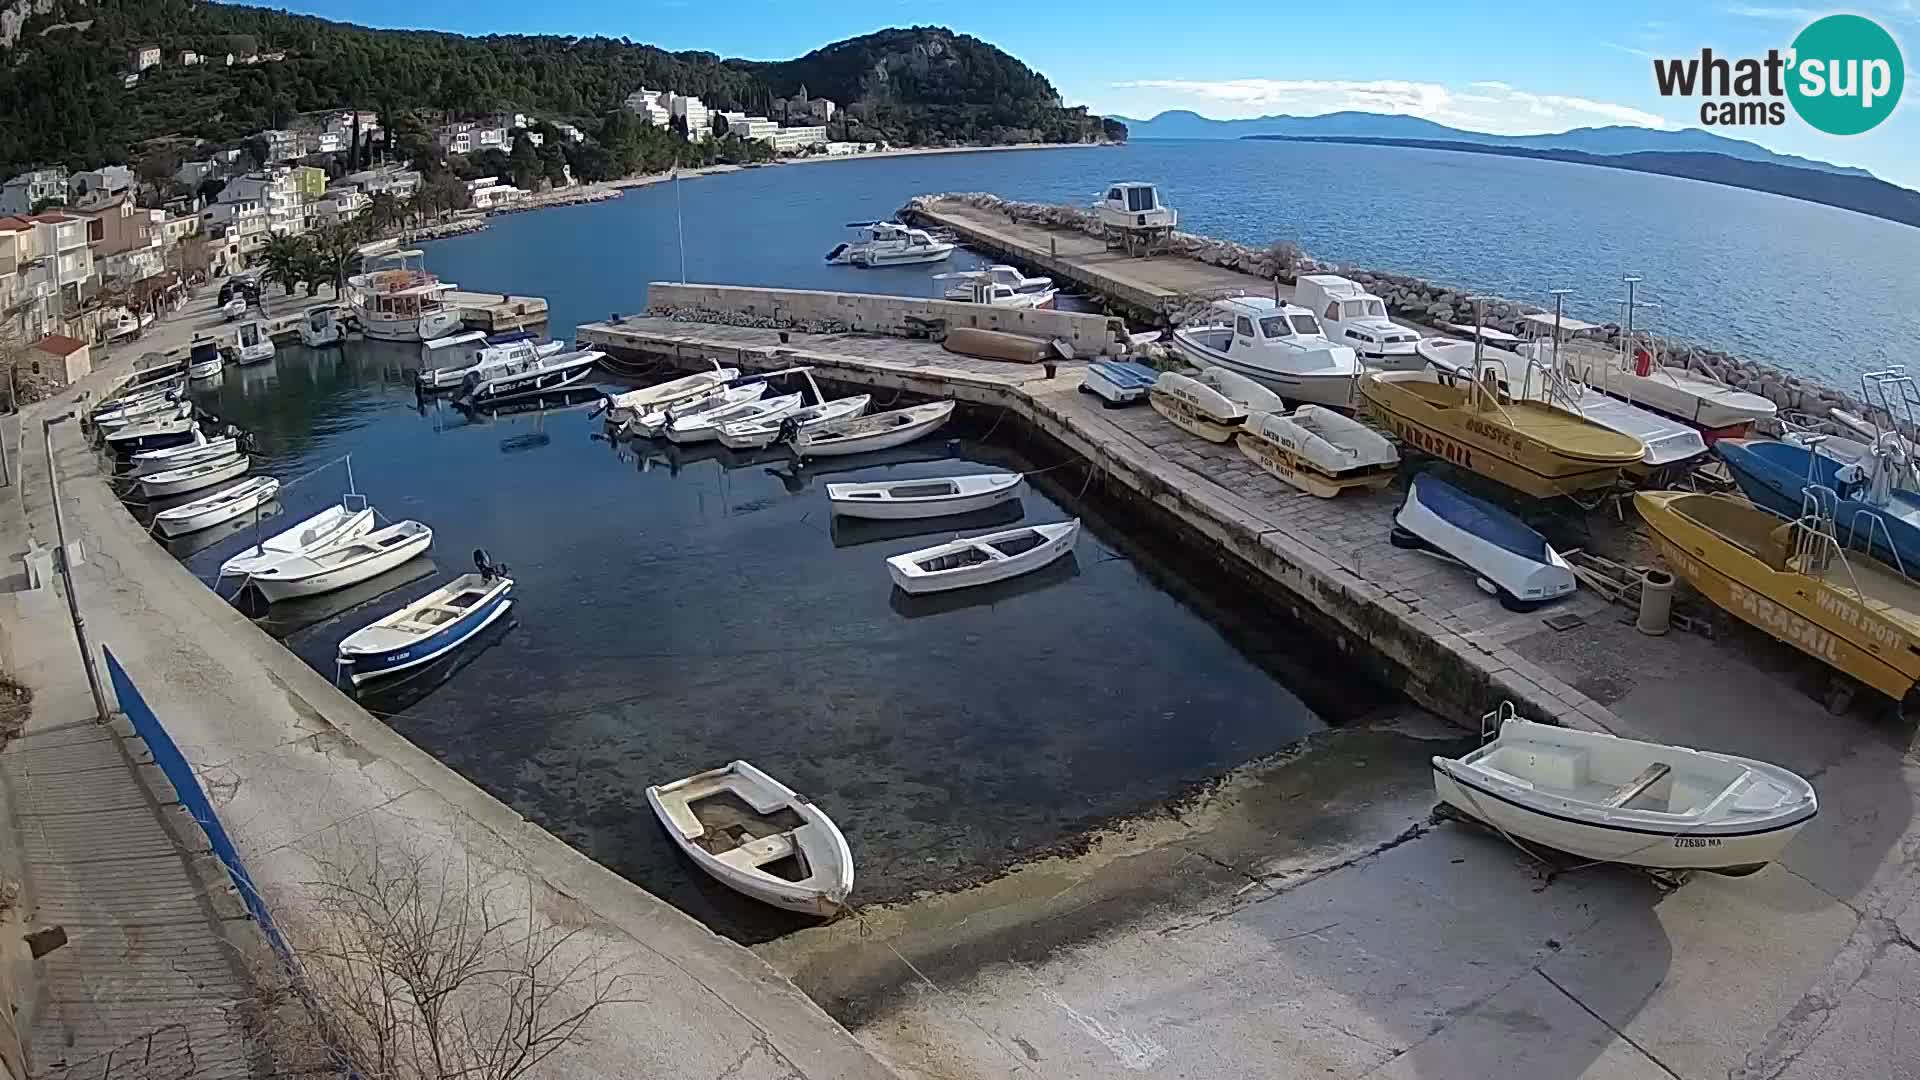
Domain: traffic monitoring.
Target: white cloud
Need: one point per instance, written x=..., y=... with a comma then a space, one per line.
x=1486, y=105
x=1629, y=50
x=1784, y=14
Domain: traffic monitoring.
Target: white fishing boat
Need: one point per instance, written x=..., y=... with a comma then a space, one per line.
x=980, y=287
x=1280, y=345
x=1358, y=319
x=233, y=308
x=336, y=524
x=1510, y=560
x=137, y=410
x=754, y=835
x=705, y=427
x=1645, y=804
x=1002, y=274
x=719, y=398
x=1211, y=403
x=465, y=354
x=252, y=344
x=982, y=560
x=1119, y=382
x=204, y=360
x=343, y=564
x=428, y=628
x=322, y=327
x=937, y=496
x=163, y=429
x=185, y=478
x=397, y=299
x=754, y=434
x=877, y=431
x=196, y=449
x=885, y=243
x=221, y=506
x=525, y=377
x=1319, y=451
x=635, y=403
x=1632, y=371
x=1134, y=204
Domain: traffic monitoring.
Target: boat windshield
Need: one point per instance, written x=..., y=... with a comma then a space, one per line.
x=1376, y=308
x=1274, y=326
x=1305, y=324
x=1139, y=198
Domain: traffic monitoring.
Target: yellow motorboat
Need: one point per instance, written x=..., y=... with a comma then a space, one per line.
x=1792, y=580
x=1532, y=447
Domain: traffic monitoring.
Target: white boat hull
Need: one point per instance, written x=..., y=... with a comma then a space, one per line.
x=206, y=369
x=975, y=561
x=878, y=431
x=942, y=496
x=425, y=327
x=255, y=354
x=192, y=477
x=1335, y=390
x=637, y=403
x=1193, y=406
x=339, y=577
x=820, y=846
x=334, y=525
x=932, y=253
x=758, y=434
x=216, y=509
x=706, y=427
x=148, y=462
x=1319, y=450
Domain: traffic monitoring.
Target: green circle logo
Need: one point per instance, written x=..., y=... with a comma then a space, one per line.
x=1847, y=74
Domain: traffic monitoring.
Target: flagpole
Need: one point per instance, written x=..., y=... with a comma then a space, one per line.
x=678, y=223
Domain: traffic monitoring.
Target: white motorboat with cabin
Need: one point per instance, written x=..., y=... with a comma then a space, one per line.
x=428, y=628
x=346, y=520
x=343, y=564
x=1134, y=204
x=220, y=507
x=634, y=403
x=252, y=344
x=1633, y=372
x=718, y=398
x=395, y=298
x=886, y=243
x=1510, y=560
x=1358, y=319
x=1318, y=450
x=1601, y=797
x=749, y=434
x=980, y=287
x=982, y=560
x=322, y=327
x=1211, y=403
x=935, y=496
x=875, y=431
x=204, y=359
x=1011, y=277
x=196, y=449
x=525, y=376
x=1279, y=345
x=754, y=835
x=184, y=478
x=705, y=427
x=450, y=359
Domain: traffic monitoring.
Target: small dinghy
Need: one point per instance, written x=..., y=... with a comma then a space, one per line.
x=705, y=427
x=135, y=410
x=335, y=525
x=165, y=429
x=196, y=449
x=754, y=434
x=982, y=559
x=1318, y=450
x=755, y=836
x=1119, y=382
x=880, y=431
x=1212, y=404
x=636, y=403
x=652, y=424
x=344, y=564
x=431, y=626
x=1618, y=800
x=1513, y=562
x=896, y=500
x=221, y=506
x=185, y=478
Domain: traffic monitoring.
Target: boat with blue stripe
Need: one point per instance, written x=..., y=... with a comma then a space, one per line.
x=1881, y=518
x=430, y=627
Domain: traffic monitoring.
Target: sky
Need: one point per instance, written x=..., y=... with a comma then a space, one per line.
x=1486, y=65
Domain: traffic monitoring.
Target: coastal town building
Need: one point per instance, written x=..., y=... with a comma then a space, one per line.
x=393, y=180
x=282, y=145
x=127, y=241
x=189, y=58
x=46, y=268
x=693, y=114
x=650, y=106
x=569, y=132
x=788, y=140
x=65, y=358
x=747, y=127
x=144, y=57
x=488, y=193
x=339, y=206
x=467, y=137
x=23, y=193
x=97, y=185
x=801, y=109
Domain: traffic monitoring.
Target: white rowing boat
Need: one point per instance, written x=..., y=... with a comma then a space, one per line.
x=636, y=403
x=651, y=424
x=939, y=496
x=1620, y=800
x=982, y=560
x=705, y=427
x=754, y=835
x=185, y=478
x=221, y=506
x=754, y=434
x=878, y=431
x=334, y=525
x=344, y=564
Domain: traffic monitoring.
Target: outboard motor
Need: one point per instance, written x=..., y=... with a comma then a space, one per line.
x=835, y=253
x=487, y=567
x=789, y=427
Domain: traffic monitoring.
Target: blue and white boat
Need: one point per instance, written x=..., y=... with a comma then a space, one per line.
x=1776, y=475
x=430, y=627
x=1119, y=382
x=1512, y=561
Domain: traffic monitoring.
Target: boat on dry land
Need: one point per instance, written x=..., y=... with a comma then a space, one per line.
x=1318, y=450
x=1212, y=403
x=1280, y=345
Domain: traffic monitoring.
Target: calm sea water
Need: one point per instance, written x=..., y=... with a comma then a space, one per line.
x=681, y=607
x=1819, y=291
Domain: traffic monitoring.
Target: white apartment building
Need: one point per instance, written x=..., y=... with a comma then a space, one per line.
x=239, y=230
x=647, y=104
x=339, y=206
x=789, y=140
x=488, y=193
x=751, y=128
x=283, y=145
x=397, y=182
x=105, y=182
x=569, y=132
x=22, y=193
x=698, y=117
x=277, y=193
x=471, y=138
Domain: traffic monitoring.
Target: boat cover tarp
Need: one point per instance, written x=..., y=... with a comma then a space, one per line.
x=1479, y=517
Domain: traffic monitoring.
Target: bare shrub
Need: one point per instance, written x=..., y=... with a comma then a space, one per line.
x=1285, y=258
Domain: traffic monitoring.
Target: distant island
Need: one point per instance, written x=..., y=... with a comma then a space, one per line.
x=1861, y=193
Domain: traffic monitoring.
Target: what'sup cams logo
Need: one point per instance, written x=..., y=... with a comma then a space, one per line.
x=1843, y=75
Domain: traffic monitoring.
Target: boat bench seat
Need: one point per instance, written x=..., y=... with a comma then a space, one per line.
x=1637, y=786
x=758, y=853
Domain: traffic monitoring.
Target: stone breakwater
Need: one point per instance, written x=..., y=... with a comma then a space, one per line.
x=1415, y=300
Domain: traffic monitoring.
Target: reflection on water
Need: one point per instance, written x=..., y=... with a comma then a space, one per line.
x=679, y=607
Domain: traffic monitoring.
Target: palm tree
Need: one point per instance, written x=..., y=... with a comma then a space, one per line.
x=286, y=258
x=333, y=250
x=384, y=211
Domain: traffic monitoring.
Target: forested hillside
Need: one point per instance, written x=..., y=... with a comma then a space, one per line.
x=63, y=99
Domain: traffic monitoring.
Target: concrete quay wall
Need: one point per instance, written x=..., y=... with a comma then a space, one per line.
x=897, y=316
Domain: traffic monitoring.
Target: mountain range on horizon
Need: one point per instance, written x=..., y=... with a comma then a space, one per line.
x=1612, y=139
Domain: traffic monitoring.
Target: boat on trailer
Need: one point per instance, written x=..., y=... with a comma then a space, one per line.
x=982, y=560
x=1510, y=559
x=758, y=837
x=1281, y=345
x=1119, y=382
x=428, y=628
x=875, y=431
x=1319, y=451
x=221, y=506
x=1609, y=799
x=937, y=496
